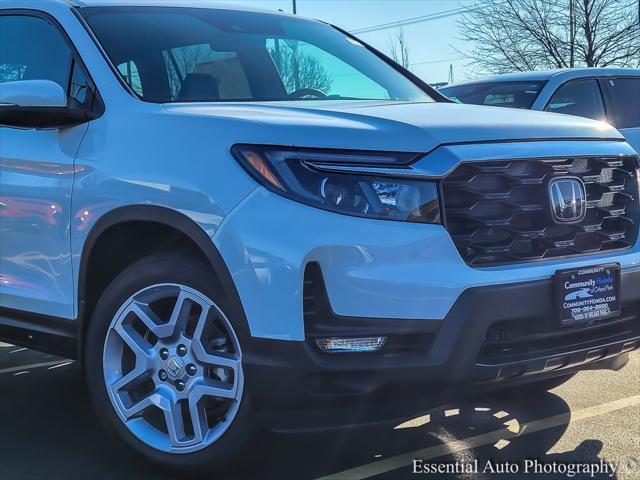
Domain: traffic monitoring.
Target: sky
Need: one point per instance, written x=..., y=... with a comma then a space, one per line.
x=432, y=44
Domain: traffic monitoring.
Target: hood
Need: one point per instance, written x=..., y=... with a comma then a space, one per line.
x=394, y=126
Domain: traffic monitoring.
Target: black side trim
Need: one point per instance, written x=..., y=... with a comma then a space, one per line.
x=43, y=117
x=41, y=332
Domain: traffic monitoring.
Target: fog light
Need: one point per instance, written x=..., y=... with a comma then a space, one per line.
x=337, y=345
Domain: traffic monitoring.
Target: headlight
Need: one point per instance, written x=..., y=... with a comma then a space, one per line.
x=306, y=176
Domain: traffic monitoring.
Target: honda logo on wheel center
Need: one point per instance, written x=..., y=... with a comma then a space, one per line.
x=174, y=366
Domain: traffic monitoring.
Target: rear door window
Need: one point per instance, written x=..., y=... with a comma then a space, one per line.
x=625, y=95
x=579, y=97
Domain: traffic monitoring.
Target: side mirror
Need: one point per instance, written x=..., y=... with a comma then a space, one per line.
x=32, y=93
x=36, y=104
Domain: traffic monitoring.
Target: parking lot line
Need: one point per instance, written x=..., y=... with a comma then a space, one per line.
x=405, y=459
x=63, y=364
x=33, y=365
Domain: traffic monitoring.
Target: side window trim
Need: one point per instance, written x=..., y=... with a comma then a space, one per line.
x=603, y=82
x=607, y=111
x=97, y=107
x=114, y=68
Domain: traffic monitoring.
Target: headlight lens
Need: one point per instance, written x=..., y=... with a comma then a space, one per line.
x=298, y=175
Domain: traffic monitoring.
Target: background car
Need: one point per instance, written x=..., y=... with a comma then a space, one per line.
x=609, y=94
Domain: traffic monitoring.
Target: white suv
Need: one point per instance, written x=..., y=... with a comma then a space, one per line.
x=238, y=219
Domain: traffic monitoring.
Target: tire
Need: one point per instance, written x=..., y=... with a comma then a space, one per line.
x=172, y=369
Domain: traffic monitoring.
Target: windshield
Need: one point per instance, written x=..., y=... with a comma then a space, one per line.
x=498, y=94
x=174, y=54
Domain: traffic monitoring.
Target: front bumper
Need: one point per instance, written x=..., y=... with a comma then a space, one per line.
x=493, y=337
x=372, y=268
x=451, y=325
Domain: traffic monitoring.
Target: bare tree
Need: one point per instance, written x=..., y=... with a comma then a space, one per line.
x=399, y=48
x=516, y=35
x=11, y=72
x=299, y=70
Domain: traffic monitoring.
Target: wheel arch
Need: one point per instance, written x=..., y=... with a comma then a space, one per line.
x=163, y=219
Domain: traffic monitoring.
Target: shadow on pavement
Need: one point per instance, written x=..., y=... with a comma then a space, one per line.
x=48, y=431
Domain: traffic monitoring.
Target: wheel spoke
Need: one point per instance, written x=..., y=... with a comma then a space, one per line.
x=202, y=321
x=211, y=388
x=138, y=345
x=180, y=312
x=155, y=399
x=151, y=320
x=215, y=359
x=175, y=424
x=138, y=372
x=198, y=420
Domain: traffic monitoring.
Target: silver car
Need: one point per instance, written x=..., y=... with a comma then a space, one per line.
x=609, y=94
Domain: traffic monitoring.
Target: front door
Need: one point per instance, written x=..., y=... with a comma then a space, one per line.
x=37, y=172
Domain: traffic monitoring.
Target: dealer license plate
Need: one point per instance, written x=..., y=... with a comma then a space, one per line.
x=588, y=293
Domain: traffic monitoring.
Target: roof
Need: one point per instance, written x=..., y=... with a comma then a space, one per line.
x=167, y=3
x=545, y=75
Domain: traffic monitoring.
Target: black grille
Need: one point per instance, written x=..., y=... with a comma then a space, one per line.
x=499, y=212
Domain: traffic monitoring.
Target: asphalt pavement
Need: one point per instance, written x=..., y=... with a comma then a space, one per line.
x=48, y=431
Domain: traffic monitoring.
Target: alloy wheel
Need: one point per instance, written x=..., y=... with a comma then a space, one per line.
x=173, y=368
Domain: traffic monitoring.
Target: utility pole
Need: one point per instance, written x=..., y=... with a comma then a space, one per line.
x=572, y=34
x=296, y=64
